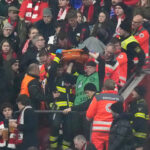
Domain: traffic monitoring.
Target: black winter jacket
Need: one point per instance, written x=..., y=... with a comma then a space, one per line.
x=121, y=137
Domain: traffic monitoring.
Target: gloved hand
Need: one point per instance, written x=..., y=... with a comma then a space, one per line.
x=59, y=51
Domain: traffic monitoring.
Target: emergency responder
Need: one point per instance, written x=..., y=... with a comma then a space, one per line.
x=138, y=108
x=141, y=34
x=110, y=63
x=62, y=98
x=122, y=59
x=99, y=111
x=131, y=47
x=31, y=86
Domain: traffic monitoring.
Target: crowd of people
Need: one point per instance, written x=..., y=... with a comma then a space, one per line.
x=72, y=57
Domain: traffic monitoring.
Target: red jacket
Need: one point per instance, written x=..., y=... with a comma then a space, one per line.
x=99, y=110
x=142, y=36
x=30, y=13
x=122, y=68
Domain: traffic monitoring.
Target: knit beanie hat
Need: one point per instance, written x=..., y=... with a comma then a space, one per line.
x=125, y=25
x=90, y=87
x=12, y=61
x=47, y=12
x=7, y=26
x=141, y=91
x=117, y=107
x=123, y=6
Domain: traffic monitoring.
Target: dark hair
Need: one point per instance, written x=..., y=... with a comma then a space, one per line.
x=115, y=40
x=31, y=28
x=43, y=52
x=23, y=99
x=3, y=41
x=6, y=105
x=109, y=84
x=62, y=35
x=90, y=87
x=71, y=14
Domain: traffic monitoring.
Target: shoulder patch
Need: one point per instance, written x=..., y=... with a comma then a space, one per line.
x=141, y=35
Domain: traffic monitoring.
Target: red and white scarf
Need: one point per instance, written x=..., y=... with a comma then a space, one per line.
x=62, y=13
x=32, y=12
x=19, y=134
x=90, y=12
x=11, y=142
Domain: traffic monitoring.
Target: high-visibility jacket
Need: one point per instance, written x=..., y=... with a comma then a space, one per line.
x=127, y=41
x=111, y=72
x=24, y=85
x=142, y=36
x=122, y=68
x=139, y=110
x=99, y=110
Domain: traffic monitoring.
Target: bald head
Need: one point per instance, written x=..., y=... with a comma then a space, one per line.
x=137, y=22
x=33, y=69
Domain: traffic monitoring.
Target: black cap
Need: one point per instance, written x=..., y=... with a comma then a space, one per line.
x=141, y=91
x=90, y=87
x=91, y=63
x=117, y=107
x=126, y=25
x=12, y=61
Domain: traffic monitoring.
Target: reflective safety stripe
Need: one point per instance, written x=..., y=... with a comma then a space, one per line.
x=56, y=59
x=66, y=143
x=101, y=128
x=112, y=67
x=54, y=145
x=141, y=115
x=64, y=147
x=147, y=117
x=102, y=122
x=53, y=138
x=147, y=54
x=62, y=89
x=63, y=103
x=139, y=134
x=122, y=78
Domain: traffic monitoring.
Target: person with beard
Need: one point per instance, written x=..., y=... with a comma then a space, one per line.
x=32, y=10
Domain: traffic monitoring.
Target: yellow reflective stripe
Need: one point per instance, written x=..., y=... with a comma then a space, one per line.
x=63, y=103
x=62, y=89
x=53, y=138
x=147, y=117
x=64, y=147
x=66, y=143
x=56, y=59
x=140, y=135
x=141, y=115
x=54, y=145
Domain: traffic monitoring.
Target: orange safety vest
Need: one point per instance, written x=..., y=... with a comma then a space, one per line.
x=99, y=110
x=122, y=68
x=24, y=85
x=142, y=36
